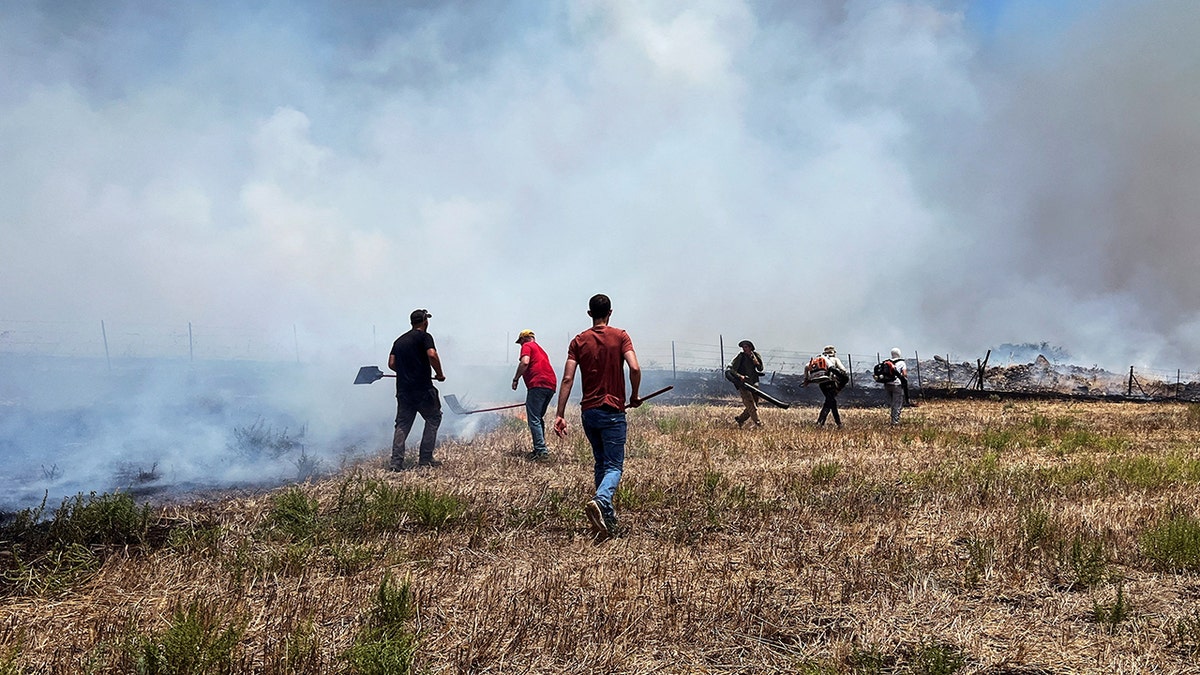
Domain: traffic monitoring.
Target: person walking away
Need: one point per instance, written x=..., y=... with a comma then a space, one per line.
x=831, y=387
x=540, y=382
x=600, y=355
x=412, y=356
x=896, y=386
x=746, y=367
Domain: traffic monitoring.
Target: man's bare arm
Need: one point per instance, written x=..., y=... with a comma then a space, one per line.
x=436, y=362
x=635, y=378
x=522, y=366
x=564, y=392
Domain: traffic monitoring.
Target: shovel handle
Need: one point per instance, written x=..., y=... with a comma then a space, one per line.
x=656, y=393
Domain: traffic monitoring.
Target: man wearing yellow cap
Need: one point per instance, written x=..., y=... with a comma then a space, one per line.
x=540, y=381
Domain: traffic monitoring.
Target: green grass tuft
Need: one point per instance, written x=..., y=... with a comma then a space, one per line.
x=385, y=645
x=295, y=514
x=1174, y=544
x=196, y=642
x=1109, y=615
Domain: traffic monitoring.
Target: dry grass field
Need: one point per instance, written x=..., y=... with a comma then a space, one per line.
x=976, y=537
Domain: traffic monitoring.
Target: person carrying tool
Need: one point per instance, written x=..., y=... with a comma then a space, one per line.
x=746, y=368
x=540, y=381
x=413, y=354
x=600, y=354
x=831, y=381
x=895, y=382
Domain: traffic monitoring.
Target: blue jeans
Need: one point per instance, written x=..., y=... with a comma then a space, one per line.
x=537, y=400
x=605, y=430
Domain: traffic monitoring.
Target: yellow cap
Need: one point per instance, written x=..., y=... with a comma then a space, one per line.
x=524, y=334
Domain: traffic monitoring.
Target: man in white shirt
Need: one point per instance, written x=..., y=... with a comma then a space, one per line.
x=896, y=387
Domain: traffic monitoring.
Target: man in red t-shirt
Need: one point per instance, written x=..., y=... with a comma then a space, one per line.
x=540, y=381
x=601, y=354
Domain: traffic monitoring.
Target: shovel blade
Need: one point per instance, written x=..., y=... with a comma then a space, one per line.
x=454, y=406
x=368, y=374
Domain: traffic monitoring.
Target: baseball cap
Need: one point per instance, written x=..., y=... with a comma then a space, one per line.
x=524, y=334
x=419, y=315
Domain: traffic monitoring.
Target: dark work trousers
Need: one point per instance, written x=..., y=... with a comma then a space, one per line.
x=831, y=391
x=408, y=406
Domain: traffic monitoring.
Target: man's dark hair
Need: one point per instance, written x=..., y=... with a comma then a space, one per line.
x=599, y=306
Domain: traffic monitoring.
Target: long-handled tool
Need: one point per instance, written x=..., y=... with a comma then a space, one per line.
x=368, y=374
x=656, y=393
x=758, y=392
x=766, y=397
x=457, y=409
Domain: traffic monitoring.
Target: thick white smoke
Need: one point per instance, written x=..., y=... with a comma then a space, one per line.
x=944, y=175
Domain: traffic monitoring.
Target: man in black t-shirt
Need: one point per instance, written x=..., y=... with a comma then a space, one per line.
x=413, y=354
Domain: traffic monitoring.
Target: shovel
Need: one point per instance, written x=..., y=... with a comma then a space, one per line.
x=368, y=374
x=457, y=409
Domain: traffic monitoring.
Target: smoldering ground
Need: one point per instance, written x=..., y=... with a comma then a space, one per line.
x=161, y=428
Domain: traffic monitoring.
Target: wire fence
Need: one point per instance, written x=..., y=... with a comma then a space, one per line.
x=188, y=341
x=120, y=340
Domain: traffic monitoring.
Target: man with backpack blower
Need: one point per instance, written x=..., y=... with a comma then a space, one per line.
x=746, y=368
x=893, y=373
x=831, y=376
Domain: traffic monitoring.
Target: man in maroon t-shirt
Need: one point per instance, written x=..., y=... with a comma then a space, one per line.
x=540, y=381
x=601, y=354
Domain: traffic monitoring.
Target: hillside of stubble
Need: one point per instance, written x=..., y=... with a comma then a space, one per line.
x=975, y=537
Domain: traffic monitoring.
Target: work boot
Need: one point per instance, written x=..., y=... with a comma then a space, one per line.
x=611, y=524
x=431, y=463
x=596, y=517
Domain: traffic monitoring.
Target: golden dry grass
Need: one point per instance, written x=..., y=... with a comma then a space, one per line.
x=993, y=534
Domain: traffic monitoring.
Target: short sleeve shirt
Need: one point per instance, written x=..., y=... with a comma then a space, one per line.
x=539, y=374
x=599, y=353
x=411, y=352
